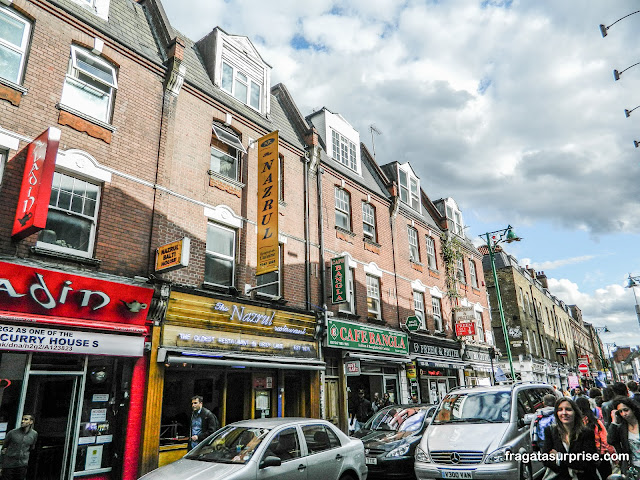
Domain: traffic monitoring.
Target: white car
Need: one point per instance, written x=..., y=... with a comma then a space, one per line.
x=271, y=448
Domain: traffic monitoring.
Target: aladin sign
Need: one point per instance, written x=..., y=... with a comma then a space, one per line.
x=268, y=188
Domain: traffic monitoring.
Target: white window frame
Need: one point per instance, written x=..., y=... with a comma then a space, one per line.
x=235, y=158
x=72, y=81
x=479, y=327
x=414, y=248
x=344, y=150
x=24, y=43
x=472, y=273
x=369, y=220
x=278, y=273
x=349, y=306
x=4, y=155
x=373, y=293
x=460, y=273
x=436, y=308
x=94, y=220
x=455, y=218
x=248, y=82
x=342, y=206
x=409, y=189
x=222, y=256
x=418, y=308
x=431, y=253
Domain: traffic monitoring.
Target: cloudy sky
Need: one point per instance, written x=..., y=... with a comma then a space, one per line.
x=508, y=106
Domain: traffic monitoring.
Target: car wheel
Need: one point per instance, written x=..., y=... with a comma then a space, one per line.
x=347, y=476
x=525, y=472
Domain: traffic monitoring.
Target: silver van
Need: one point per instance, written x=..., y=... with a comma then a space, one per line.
x=476, y=431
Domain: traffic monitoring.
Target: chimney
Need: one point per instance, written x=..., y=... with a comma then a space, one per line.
x=531, y=271
x=542, y=278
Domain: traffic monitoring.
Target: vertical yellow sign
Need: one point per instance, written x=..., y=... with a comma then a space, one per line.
x=268, y=189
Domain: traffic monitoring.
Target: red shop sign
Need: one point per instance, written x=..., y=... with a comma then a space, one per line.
x=33, y=202
x=40, y=291
x=465, y=328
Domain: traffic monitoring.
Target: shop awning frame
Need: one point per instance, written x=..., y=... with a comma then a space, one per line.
x=376, y=358
x=222, y=359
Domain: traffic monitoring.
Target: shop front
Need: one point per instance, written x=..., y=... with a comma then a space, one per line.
x=71, y=355
x=245, y=360
x=478, y=366
x=439, y=367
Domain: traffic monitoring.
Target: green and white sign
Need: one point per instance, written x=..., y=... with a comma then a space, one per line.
x=413, y=323
x=358, y=336
x=339, y=293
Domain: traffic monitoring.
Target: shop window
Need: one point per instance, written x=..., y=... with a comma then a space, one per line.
x=343, y=209
x=72, y=217
x=431, y=254
x=373, y=297
x=220, y=262
x=436, y=306
x=472, y=273
x=14, y=40
x=275, y=289
x=349, y=306
x=90, y=85
x=369, y=221
x=414, y=250
x=418, y=307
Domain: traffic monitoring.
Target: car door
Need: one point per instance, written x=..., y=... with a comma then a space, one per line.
x=286, y=446
x=326, y=454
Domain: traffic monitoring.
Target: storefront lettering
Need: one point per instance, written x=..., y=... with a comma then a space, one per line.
x=221, y=307
x=210, y=339
x=251, y=317
x=374, y=338
x=40, y=293
x=445, y=352
x=478, y=356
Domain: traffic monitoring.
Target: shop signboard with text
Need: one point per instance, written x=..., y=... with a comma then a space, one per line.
x=39, y=291
x=339, y=292
x=358, y=336
x=464, y=329
x=268, y=188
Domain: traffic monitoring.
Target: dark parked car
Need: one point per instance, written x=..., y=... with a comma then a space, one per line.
x=390, y=438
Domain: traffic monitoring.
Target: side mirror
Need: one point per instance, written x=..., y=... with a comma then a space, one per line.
x=270, y=461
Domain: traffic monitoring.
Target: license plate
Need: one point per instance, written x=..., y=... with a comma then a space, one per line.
x=371, y=460
x=456, y=474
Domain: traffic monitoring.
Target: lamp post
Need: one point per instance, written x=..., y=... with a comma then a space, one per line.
x=603, y=29
x=493, y=239
x=598, y=331
x=617, y=74
x=631, y=283
x=610, y=358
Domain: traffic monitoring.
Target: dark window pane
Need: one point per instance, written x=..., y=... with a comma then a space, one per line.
x=218, y=270
x=67, y=231
x=76, y=204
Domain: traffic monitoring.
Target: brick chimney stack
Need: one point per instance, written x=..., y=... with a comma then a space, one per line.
x=542, y=278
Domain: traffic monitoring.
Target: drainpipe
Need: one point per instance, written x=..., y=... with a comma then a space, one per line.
x=307, y=252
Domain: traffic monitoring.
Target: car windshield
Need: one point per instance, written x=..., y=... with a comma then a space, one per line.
x=398, y=419
x=474, y=407
x=231, y=444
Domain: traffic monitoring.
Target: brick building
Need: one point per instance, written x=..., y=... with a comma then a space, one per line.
x=74, y=230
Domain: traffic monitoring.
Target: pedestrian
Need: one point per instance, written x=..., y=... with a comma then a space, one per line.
x=577, y=392
x=557, y=392
x=386, y=399
x=203, y=422
x=624, y=435
x=592, y=423
x=569, y=436
x=18, y=445
x=633, y=388
x=361, y=409
x=414, y=398
x=607, y=405
x=544, y=418
x=376, y=403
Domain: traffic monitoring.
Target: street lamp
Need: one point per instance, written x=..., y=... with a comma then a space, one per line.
x=631, y=283
x=493, y=239
x=603, y=29
x=616, y=73
x=610, y=358
x=627, y=113
x=598, y=331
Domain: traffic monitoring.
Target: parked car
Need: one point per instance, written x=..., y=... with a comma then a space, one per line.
x=474, y=431
x=271, y=448
x=390, y=439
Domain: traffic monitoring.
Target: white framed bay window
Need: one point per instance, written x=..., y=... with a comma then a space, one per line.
x=90, y=85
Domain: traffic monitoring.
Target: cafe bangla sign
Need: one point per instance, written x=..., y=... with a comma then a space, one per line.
x=357, y=336
x=339, y=292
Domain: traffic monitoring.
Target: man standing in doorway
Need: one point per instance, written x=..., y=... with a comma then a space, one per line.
x=203, y=422
x=18, y=445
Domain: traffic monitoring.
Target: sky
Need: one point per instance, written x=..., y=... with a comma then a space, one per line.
x=510, y=107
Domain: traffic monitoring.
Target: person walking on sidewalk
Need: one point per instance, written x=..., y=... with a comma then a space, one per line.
x=17, y=447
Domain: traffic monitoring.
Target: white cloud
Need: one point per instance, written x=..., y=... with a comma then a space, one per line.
x=553, y=264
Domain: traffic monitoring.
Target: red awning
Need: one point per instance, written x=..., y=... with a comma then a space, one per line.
x=71, y=322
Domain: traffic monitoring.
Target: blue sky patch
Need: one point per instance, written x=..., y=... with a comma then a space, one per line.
x=485, y=82
x=496, y=3
x=298, y=42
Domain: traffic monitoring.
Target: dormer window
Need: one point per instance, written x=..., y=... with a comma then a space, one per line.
x=243, y=88
x=455, y=220
x=344, y=150
x=409, y=189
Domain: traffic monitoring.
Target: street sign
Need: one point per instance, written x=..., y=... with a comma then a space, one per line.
x=561, y=352
x=339, y=292
x=464, y=329
x=583, y=368
x=413, y=323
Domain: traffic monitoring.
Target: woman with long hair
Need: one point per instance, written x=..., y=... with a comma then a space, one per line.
x=624, y=435
x=569, y=436
x=597, y=427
